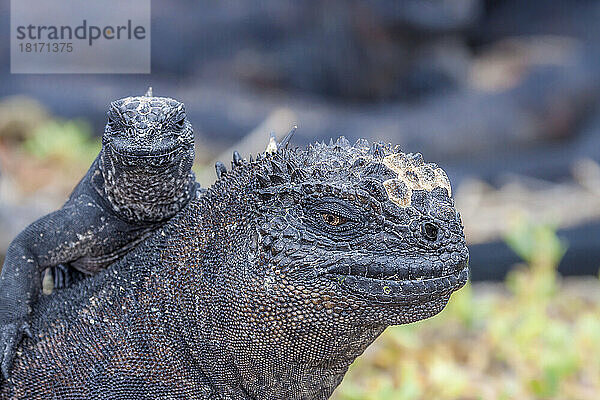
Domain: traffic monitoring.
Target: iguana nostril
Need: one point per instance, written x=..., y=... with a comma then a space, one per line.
x=429, y=230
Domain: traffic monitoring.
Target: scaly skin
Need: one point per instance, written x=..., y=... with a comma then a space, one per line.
x=266, y=287
x=140, y=179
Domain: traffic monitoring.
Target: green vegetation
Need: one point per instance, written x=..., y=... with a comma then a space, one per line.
x=41, y=153
x=531, y=338
x=66, y=142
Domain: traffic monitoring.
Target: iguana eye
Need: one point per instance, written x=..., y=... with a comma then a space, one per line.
x=180, y=122
x=333, y=220
x=334, y=216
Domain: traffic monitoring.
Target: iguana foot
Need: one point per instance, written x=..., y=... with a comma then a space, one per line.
x=11, y=335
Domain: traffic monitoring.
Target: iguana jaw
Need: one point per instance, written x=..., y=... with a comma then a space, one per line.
x=404, y=291
x=149, y=159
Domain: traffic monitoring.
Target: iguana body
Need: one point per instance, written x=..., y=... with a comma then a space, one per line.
x=266, y=287
x=140, y=179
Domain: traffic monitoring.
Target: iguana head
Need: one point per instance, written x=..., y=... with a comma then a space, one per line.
x=148, y=152
x=146, y=129
x=371, y=231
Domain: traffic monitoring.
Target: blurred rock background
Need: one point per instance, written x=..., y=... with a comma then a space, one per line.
x=504, y=94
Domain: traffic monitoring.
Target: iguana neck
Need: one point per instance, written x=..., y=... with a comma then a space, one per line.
x=246, y=343
x=145, y=194
x=277, y=375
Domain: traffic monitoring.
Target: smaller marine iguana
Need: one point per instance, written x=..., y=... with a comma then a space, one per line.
x=140, y=179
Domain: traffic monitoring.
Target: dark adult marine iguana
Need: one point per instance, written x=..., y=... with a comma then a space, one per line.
x=141, y=178
x=266, y=287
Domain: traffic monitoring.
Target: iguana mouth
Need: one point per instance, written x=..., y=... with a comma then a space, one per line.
x=390, y=284
x=146, y=153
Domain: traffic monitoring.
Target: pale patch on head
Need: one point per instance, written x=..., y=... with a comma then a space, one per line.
x=142, y=104
x=413, y=174
x=398, y=192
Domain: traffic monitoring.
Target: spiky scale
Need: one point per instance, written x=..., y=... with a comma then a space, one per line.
x=237, y=159
x=220, y=169
x=272, y=145
x=298, y=176
x=342, y=142
x=277, y=166
x=263, y=180
x=286, y=140
x=277, y=179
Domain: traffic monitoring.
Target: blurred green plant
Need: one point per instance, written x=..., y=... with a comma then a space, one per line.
x=542, y=251
x=526, y=339
x=66, y=142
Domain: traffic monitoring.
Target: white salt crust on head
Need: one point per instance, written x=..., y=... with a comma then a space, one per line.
x=413, y=174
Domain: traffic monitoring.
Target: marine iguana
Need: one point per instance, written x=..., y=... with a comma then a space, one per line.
x=141, y=178
x=266, y=287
